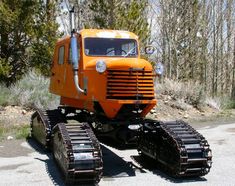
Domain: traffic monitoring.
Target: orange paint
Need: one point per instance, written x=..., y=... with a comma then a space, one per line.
x=127, y=80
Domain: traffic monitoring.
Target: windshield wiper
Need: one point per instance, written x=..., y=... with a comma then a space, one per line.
x=129, y=52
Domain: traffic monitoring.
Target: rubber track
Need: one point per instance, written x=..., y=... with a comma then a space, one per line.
x=75, y=148
x=44, y=121
x=180, y=149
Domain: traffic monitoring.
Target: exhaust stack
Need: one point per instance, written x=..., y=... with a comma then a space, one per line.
x=74, y=50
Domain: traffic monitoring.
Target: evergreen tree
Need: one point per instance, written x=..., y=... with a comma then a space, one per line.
x=122, y=15
x=26, y=32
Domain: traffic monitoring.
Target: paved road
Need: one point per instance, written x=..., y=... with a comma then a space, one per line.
x=24, y=163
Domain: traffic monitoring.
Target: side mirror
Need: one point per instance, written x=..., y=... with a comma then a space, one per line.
x=149, y=49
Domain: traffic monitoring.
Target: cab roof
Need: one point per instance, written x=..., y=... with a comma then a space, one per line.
x=107, y=34
x=101, y=33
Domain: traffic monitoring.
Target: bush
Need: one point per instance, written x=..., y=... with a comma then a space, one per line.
x=31, y=91
x=227, y=102
x=213, y=102
x=188, y=92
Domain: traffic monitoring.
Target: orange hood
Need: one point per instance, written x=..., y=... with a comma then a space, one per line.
x=119, y=63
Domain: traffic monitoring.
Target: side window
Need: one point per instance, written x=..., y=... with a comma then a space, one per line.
x=61, y=55
x=70, y=53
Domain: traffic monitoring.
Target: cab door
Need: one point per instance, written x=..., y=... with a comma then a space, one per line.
x=58, y=69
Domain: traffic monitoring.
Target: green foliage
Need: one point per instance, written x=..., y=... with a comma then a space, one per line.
x=4, y=95
x=45, y=38
x=5, y=68
x=103, y=13
x=228, y=103
x=132, y=16
x=26, y=32
x=22, y=132
x=19, y=131
x=122, y=15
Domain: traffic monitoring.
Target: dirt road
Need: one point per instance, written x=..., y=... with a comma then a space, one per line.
x=24, y=163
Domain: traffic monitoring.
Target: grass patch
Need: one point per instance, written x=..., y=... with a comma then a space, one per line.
x=22, y=132
x=17, y=132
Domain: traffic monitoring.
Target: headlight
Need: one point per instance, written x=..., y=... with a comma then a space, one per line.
x=159, y=68
x=100, y=66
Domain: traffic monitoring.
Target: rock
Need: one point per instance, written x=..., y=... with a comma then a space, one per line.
x=186, y=116
x=152, y=111
x=1, y=108
x=10, y=138
x=180, y=113
x=24, y=112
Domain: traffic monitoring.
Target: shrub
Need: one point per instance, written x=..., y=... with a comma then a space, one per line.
x=227, y=102
x=188, y=92
x=213, y=102
x=31, y=91
x=4, y=95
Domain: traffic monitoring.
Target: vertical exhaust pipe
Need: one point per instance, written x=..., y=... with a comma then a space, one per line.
x=74, y=50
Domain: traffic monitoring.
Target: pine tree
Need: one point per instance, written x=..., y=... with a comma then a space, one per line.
x=26, y=31
x=127, y=15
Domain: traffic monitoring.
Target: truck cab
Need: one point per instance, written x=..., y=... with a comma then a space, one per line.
x=112, y=78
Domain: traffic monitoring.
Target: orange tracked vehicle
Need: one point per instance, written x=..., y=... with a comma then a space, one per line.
x=106, y=90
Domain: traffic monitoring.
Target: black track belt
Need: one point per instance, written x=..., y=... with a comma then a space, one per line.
x=179, y=148
x=75, y=148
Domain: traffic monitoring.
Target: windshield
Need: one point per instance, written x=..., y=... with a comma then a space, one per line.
x=111, y=47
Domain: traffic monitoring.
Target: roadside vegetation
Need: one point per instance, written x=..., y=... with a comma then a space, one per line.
x=30, y=91
x=192, y=94
x=14, y=132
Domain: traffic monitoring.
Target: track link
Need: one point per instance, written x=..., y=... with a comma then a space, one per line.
x=180, y=149
x=73, y=144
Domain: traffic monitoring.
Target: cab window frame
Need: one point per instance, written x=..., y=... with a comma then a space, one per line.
x=61, y=55
x=135, y=42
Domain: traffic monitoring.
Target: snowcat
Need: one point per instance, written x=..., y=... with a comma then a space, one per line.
x=106, y=90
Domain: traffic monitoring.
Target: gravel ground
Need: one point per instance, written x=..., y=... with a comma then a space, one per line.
x=24, y=163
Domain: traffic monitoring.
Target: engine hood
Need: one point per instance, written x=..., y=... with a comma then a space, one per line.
x=120, y=63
